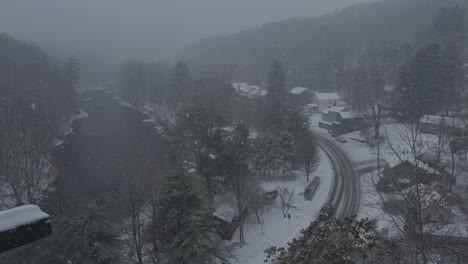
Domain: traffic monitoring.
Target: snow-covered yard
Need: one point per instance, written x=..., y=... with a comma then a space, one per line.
x=275, y=230
x=371, y=206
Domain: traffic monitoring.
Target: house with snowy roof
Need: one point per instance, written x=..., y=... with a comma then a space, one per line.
x=226, y=216
x=250, y=91
x=340, y=120
x=301, y=95
x=326, y=100
x=23, y=225
x=434, y=124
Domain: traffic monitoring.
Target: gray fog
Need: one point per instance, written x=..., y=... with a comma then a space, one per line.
x=123, y=29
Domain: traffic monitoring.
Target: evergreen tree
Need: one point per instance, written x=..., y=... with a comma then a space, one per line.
x=199, y=139
x=185, y=223
x=421, y=85
x=181, y=82
x=275, y=104
x=449, y=28
x=72, y=70
x=343, y=241
x=368, y=91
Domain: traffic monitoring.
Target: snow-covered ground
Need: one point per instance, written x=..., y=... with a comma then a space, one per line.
x=371, y=206
x=275, y=230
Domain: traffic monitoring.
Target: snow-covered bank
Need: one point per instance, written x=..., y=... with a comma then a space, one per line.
x=275, y=230
x=157, y=114
x=67, y=128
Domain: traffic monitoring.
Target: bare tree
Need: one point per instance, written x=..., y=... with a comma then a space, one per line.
x=421, y=199
x=308, y=151
x=287, y=200
x=244, y=189
x=25, y=170
x=141, y=183
x=368, y=92
x=259, y=203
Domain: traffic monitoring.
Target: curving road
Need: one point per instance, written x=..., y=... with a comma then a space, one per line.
x=345, y=194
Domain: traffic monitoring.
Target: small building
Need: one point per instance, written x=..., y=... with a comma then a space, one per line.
x=340, y=120
x=447, y=234
x=466, y=69
x=434, y=124
x=249, y=91
x=332, y=114
x=23, y=225
x=326, y=100
x=401, y=176
x=301, y=95
x=226, y=215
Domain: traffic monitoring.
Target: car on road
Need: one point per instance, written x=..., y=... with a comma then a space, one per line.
x=341, y=139
x=326, y=212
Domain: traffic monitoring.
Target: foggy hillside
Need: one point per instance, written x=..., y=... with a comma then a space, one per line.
x=318, y=44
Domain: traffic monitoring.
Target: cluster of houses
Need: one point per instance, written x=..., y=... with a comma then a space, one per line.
x=336, y=116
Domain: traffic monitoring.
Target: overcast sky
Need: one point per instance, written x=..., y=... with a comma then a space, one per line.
x=143, y=28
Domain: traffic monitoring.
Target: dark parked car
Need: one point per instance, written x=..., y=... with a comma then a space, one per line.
x=341, y=139
x=326, y=212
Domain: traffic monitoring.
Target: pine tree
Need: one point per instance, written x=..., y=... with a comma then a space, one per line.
x=185, y=223
x=275, y=105
x=421, y=85
x=199, y=136
x=67, y=93
x=72, y=70
x=337, y=241
x=181, y=82
x=449, y=28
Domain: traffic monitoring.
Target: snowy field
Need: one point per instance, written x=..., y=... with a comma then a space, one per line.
x=275, y=230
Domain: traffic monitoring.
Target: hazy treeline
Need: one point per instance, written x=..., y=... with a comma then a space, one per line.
x=321, y=52
x=36, y=100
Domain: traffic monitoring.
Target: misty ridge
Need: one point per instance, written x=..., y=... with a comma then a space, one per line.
x=199, y=132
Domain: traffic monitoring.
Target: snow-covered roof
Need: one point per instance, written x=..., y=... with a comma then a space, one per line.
x=19, y=216
x=239, y=86
x=348, y=115
x=466, y=64
x=335, y=109
x=225, y=212
x=428, y=196
x=298, y=90
x=248, y=90
x=442, y=120
x=448, y=230
x=327, y=96
x=325, y=122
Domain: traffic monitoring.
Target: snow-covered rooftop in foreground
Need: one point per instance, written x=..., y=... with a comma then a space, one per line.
x=327, y=96
x=19, y=216
x=298, y=90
